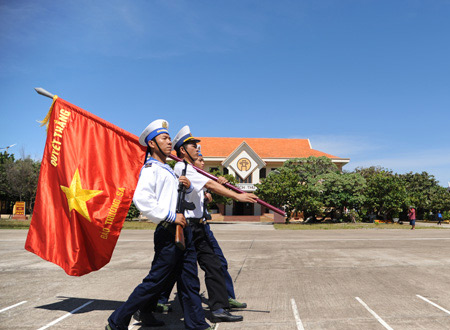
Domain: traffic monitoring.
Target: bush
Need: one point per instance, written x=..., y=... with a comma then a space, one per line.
x=133, y=212
x=446, y=215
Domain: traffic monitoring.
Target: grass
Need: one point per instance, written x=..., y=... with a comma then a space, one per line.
x=25, y=224
x=139, y=225
x=14, y=224
x=144, y=225
x=358, y=225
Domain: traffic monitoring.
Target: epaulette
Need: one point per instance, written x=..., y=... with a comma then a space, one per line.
x=148, y=165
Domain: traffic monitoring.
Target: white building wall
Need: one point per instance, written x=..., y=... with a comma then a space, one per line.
x=255, y=176
x=229, y=209
x=257, y=210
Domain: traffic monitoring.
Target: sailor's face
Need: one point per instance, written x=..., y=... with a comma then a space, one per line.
x=164, y=142
x=200, y=162
x=192, y=149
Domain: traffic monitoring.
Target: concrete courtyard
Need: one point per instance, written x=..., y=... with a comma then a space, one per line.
x=329, y=279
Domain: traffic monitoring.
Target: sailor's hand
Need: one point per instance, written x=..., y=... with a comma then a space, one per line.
x=222, y=180
x=247, y=198
x=208, y=197
x=185, y=181
x=180, y=220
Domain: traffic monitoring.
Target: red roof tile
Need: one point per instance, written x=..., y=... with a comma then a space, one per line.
x=264, y=147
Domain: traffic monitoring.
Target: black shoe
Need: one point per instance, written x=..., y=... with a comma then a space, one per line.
x=225, y=316
x=137, y=315
x=147, y=319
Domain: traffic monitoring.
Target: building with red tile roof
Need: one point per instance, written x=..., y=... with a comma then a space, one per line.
x=251, y=159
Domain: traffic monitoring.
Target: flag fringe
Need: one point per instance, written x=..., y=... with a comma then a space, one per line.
x=49, y=113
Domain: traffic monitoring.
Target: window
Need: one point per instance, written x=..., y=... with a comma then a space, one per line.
x=240, y=180
x=225, y=170
x=262, y=173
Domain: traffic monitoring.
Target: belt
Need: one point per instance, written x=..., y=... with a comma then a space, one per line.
x=195, y=220
x=168, y=226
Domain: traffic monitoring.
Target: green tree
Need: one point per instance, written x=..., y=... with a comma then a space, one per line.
x=22, y=177
x=420, y=188
x=440, y=199
x=297, y=185
x=311, y=167
x=344, y=190
x=133, y=212
x=218, y=199
x=5, y=190
x=282, y=188
x=171, y=163
x=385, y=193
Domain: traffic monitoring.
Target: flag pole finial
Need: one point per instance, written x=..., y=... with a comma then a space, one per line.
x=42, y=91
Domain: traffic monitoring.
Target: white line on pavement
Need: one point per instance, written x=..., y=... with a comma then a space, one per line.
x=313, y=239
x=296, y=315
x=432, y=303
x=6, y=308
x=64, y=316
x=379, y=319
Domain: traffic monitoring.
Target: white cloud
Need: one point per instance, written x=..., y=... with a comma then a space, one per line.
x=365, y=151
x=344, y=146
x=435, y=162
x=407, y=161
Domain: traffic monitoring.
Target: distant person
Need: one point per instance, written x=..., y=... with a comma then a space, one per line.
x=439, y=217
x=412, y=217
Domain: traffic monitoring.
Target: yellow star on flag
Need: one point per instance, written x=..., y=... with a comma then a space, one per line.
x=77, y=196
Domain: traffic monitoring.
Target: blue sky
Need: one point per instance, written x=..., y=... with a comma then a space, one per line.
x=368, y=80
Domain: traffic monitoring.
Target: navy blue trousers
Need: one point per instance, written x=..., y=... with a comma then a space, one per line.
x=223, y=261
x=224, y=266
x=169, y=264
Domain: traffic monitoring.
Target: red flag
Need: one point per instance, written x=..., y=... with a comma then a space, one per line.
x=88, y=175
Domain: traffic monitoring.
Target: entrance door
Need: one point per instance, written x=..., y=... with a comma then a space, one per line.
x=243, y=208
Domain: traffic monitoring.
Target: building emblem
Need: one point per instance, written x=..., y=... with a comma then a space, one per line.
x=244, y=164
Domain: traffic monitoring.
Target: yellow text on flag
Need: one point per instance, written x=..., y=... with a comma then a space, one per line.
x=60, y=125
x=112, y=213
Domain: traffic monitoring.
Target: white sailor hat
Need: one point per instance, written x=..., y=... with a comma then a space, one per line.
x=155, y=128
x=183, y=136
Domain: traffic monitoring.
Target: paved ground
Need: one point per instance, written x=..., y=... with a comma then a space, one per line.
x=348, y=279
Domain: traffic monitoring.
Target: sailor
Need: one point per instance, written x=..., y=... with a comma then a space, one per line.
x=186, y=147
x=200, y=163
x=163, y=306
x=156, y=198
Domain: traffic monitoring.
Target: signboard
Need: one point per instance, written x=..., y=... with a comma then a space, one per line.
x=19, y=208
x=246, y=186
x=19, y=211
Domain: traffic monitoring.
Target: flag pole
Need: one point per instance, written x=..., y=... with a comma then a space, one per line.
x=42, y=91
x=230, y=186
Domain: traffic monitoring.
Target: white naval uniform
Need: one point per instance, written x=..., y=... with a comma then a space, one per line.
x=206, y=257
x=196, y=196
x=156, y=192
x=156, y=197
